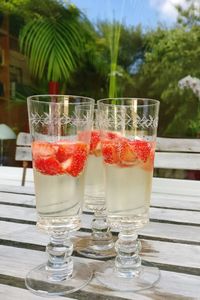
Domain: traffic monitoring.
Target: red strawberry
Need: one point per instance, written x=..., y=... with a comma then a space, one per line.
x=142, y=149
x=109, y=152
x=44, y=157
x=112, y=135
x=48, y=166
x=148, y=165
x=74, y=165
x=65, y=150
x=43, y=149
x=128, y=156
x=111, y=147
x=95, y=143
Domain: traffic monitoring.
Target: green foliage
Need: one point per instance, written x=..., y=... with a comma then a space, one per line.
x=191, y=16
x=52, y=46
x=29, y=9
x=131, y=48
x=142, y=64
x=13, y=6
x=92, y=78
x=172, y=54
x=113, y=39
x=51, y=37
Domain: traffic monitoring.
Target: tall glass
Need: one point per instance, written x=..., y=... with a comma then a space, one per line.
x=60, y=127
x=100, y=243
x=128, y=132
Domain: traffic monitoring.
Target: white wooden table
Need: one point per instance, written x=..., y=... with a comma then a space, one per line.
x=171, y=241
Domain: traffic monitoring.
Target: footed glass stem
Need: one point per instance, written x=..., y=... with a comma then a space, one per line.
x=100, y=244
x=101, y=237
x=60, y=275
x=127, y=273
x=60, y=264
x=127, y=261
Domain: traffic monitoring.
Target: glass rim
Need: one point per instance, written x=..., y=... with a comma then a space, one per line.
x=30, y=99
x=154, y=102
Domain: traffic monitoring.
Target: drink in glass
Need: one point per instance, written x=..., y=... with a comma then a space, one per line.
x=131, y=165
x=128, y=134
x=60, y=127
x=100, y=243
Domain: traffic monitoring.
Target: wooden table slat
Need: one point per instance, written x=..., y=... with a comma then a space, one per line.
x=171, y=241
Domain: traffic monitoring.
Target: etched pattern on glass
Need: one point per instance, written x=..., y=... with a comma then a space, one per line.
x=124, y=119
x=50, y=119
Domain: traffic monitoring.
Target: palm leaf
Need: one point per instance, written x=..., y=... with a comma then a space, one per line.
x=52, y=47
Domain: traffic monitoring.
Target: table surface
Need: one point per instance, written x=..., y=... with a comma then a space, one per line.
x=171, y=241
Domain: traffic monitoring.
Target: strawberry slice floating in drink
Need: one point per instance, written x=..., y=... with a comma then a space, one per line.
x=126, y=153
x=110, y=152
x=111, y=147
x=43, y=149
x=142, y=149
x=95, y=143
x=63, y=157
x=128, y=156
x=75, y=163
x=48, y=165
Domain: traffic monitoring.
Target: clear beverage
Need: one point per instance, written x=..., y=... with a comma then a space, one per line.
x=58, y=200
x=59, y=183
x=94, y=183
x=100, y=243
x=128, y=195
x=129, y=171
x=94, y=196
x=128, y=127
x=60, y=127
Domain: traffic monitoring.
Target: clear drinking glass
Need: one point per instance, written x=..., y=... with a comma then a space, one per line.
x=100, y=243
x=128, y=132
x=60, y=127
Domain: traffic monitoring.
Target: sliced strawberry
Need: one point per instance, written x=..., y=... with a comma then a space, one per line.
x=95, y=144
x=48, y=166
x=74, y=165
x=59, y=158
x=112, y=135
x=141, y=148
x=111, y=147
x=65, y=150
x=110, y=152
x=43, y=149
x=97, y=151
x=148, y=165
x=128, y=156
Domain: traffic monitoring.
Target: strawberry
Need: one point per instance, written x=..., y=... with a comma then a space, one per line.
x=48, y=165
x=142, y=149
x=74, y=165
x=111, y=147
x=148, y=165
x=109, y=152
x=124, y=152
x=65, y=150
x=43, y=149
x=44, y=157
x=128, y=156
x=59, y=158
x=112, y=135
x=95, y=143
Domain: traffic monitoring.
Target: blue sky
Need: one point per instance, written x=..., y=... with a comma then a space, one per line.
x=131, y=12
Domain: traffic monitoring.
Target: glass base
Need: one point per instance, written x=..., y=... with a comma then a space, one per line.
x=146, y=277
x=39, y=283
x=88, y=248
